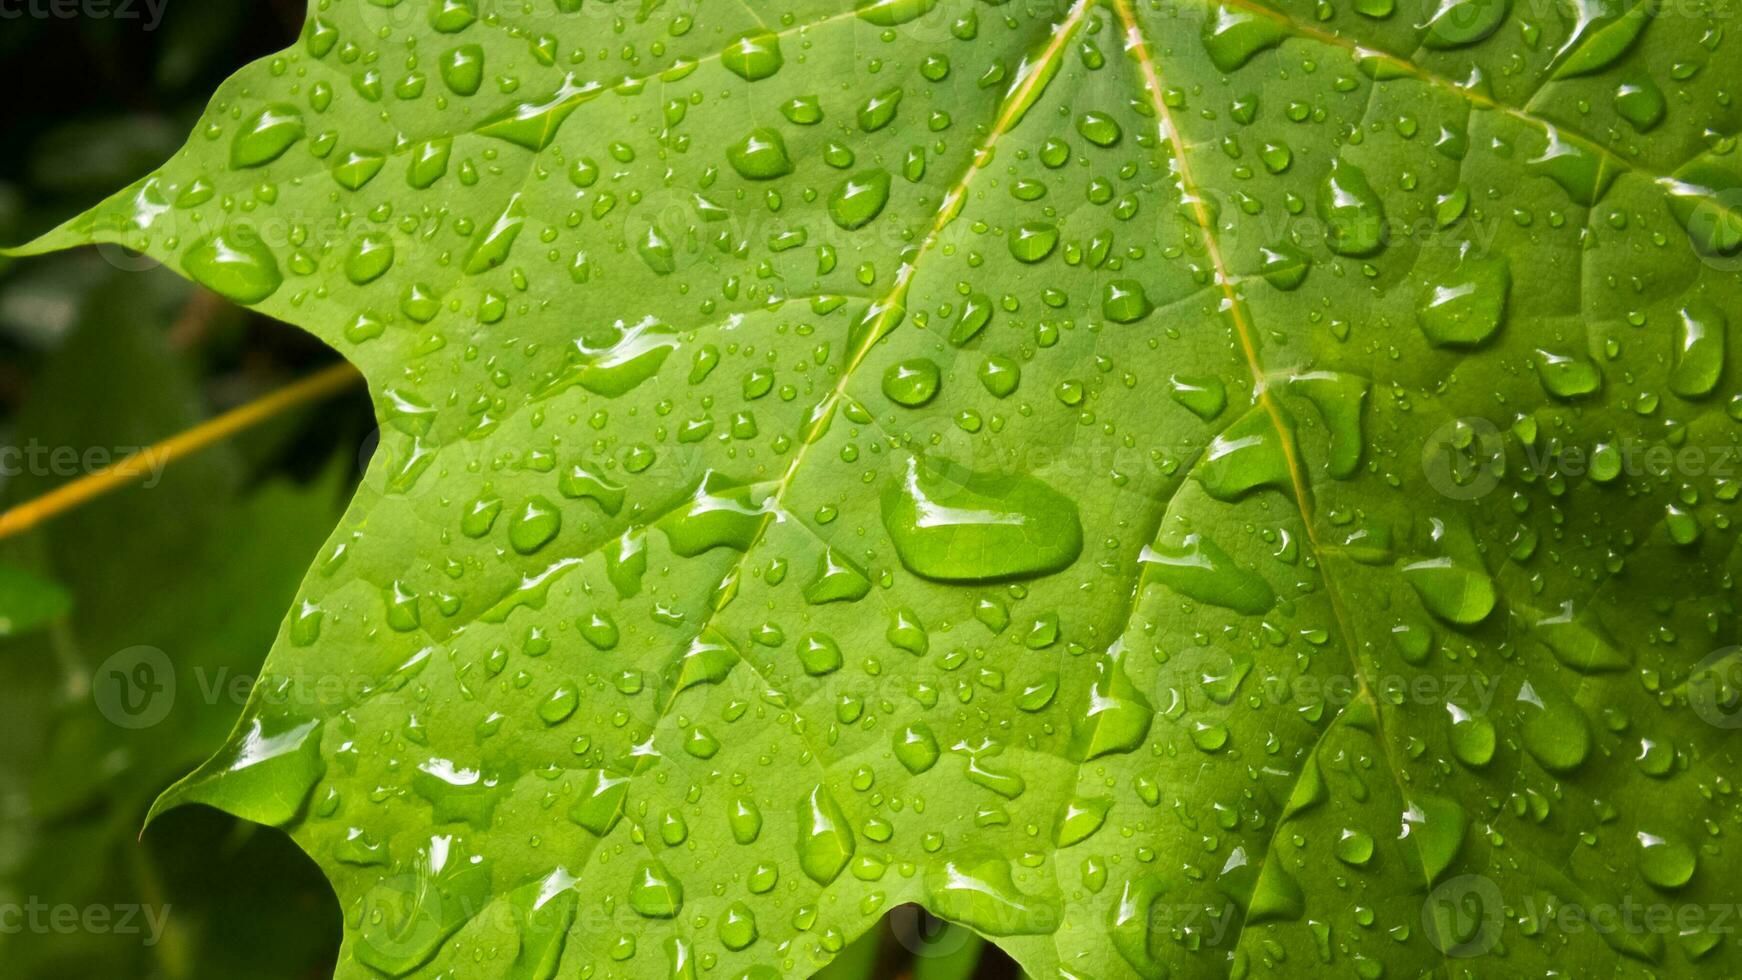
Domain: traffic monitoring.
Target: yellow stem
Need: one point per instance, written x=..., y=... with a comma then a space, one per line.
x=152, y=459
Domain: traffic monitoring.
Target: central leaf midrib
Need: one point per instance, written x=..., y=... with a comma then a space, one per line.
x=1138, y=45
x=952, y=204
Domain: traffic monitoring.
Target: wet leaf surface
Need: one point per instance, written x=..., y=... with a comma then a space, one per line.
x=1182, y=489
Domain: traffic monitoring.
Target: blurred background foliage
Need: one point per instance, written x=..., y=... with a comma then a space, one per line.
x=101, y=349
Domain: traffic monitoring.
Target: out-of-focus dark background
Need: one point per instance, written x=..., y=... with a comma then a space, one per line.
x=185, y=579
x=131, y=627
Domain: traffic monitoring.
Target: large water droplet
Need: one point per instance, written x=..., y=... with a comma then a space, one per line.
x=1699, y=351
x=951, y=524
x=1033, y=241
x=761, y=155
x=369, y=258
x=825, y=842
x=534, y=525
x=1118, y=716
x=1473, y=737
x=737, y=926
x=912, y=382
x=1353, y=215
x=1468, y=306
x=837, y=579
x=1703, y=195
x=717, y=515
x=1665, y=862
x=1567, y=376
x=1124, y=301
x=414, y=914
x=654, y=892
x=1640, y=101
x=617, y=363
x=1581, y=642
x=1247, y=456
x=1204, y=395
x=264, y=136
x=1235, y=35
x=889, y=13
x=753, y=56
x=600, y=802
x=1555, y=731
x=1460, y=23
x=1078, y=819
x=1436, y=826
x=1197, y=568
x=1453, y=591
x=859, y=199
x=916, y=748
x=235, y=264
x=981, y=895
x=456, y=793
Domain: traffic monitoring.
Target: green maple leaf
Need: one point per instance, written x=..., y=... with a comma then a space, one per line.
x=1177, y=488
